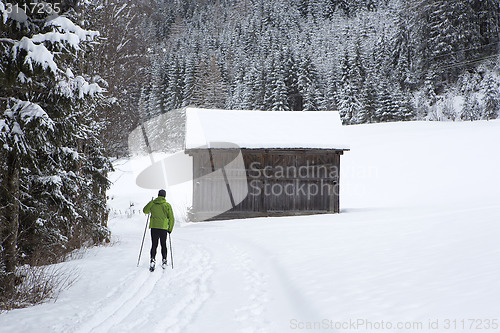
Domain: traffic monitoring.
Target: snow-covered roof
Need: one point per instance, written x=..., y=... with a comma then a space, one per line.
x=263, y=129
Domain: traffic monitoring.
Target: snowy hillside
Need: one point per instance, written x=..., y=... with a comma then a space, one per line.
x=415, y=249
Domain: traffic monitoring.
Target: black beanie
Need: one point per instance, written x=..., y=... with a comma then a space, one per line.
x=162, y=193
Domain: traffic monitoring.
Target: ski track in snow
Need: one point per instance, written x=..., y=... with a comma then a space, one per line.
x=250, y=316
x=119, y=308
x=268, y=282
x=143, y=300
x=194, y=291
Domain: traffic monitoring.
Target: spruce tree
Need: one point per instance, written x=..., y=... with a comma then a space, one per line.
x=471, y=109
x=175, y=84
x=52, y=160
x=344, y=91
x=402, y=53
x=491, y=98
x=293, y=73
x=309, y=86
x=260, y=86
x=189, y=81
x=277, y=98
x=385, y=111
x=369, y=102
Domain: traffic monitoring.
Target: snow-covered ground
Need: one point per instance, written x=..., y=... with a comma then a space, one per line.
x=416, y=248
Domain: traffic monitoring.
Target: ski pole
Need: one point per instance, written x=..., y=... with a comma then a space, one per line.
x=171, y=255
x=144, y=236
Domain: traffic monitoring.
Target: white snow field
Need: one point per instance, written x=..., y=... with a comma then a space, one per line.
x=416, y=248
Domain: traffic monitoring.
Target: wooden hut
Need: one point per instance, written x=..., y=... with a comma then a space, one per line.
x=263, y=163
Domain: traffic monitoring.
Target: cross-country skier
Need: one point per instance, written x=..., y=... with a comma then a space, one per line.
x=162, y=221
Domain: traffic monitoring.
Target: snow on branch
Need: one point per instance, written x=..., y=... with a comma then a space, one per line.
x=67, y=26
x=67, y=32
x=15, y=118
x=77, y=87
x=57, y=38
x=36, y=53
x=29, y=112
x=73, y=154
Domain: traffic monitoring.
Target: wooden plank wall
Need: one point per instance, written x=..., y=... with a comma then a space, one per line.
x=279, y=182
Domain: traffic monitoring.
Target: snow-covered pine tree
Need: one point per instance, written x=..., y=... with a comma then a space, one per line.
x=259, y=85
x=308, y=86
x=358, y=70
x=470, y=85
x=293, y=72
x=491, y=97
x=471, y=109
x=175, y=84
x=331, y=88
x=349, y=104
x=486, y=17
x=402, y=50
x=268, y=87
x=408, y=107
x=189, y=80
x=210, y=90
x=157, y=98
x=348, y=98
x=385, y=111
x=278, y=96
x=342, y=92
x=248, y=94
x=368, y=101
x=236, y=97
x=52, y=161
x=448, y=36
x=401, y=108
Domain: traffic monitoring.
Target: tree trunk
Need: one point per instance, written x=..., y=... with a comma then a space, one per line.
x=10, y=220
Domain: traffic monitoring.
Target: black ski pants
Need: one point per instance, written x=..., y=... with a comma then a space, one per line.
x=161, y=235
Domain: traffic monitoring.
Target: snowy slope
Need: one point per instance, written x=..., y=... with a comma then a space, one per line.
x=416, y=244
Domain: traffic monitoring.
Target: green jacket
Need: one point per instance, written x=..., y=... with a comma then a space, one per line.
x=162, y=216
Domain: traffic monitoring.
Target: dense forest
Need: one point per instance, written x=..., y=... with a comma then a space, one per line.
x=373, y=61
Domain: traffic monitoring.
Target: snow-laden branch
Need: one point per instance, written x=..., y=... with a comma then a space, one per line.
x=65, y=32
x=15, y=119
x=36, y=53
x=77, y=86
x=66, y=26
x=56, y=38
x=7, y=41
